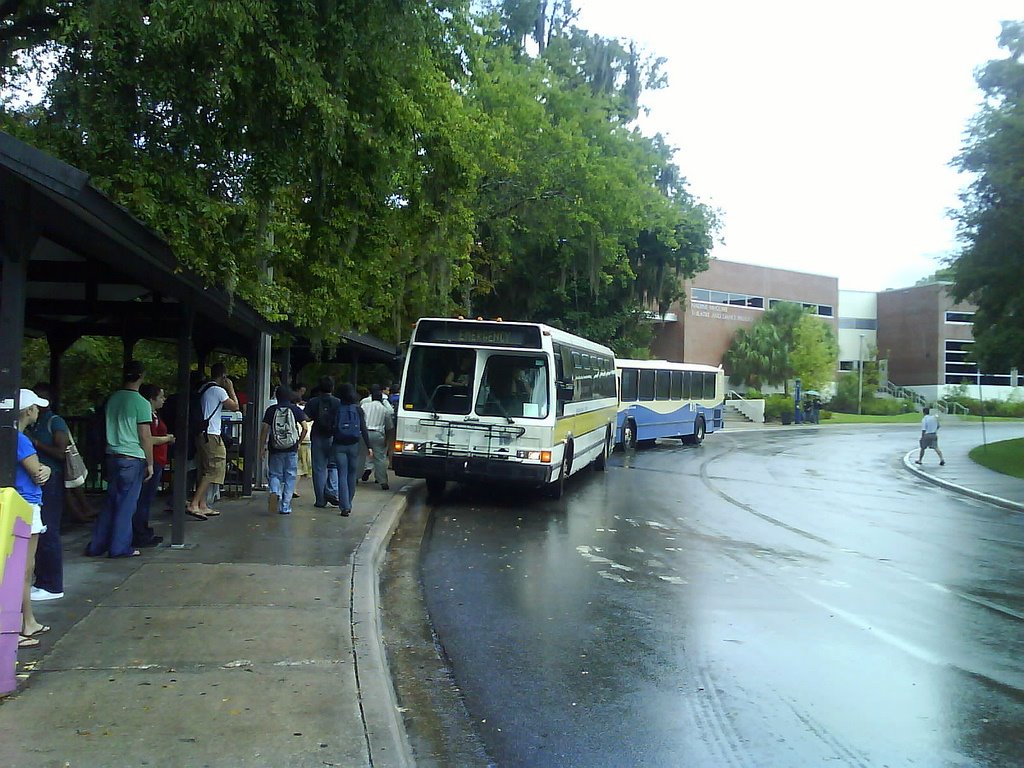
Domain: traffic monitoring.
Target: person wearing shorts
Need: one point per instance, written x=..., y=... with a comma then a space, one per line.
x=29, y=477
x=218, y=395
x=930, y=436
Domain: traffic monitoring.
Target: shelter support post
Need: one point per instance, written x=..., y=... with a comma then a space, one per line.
x=180, y=488
x=58, y=344
x=15, y=246
x=285, y=363
x=259, y=395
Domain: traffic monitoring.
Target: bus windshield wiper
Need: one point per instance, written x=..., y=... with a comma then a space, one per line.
x=430, y=404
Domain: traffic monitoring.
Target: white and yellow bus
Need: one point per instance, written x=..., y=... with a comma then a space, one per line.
x=493, y=400
x=664, y=399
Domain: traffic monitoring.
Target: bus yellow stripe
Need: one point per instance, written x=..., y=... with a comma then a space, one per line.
x=582, y=423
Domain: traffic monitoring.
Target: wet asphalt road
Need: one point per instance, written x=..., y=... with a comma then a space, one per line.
x=768, y=599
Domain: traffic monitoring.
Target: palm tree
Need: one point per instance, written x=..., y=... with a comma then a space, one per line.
x=758, y=356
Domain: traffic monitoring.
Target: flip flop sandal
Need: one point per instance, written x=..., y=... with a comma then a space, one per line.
x=27, y=641
x=196, y=514
x=42, y=630
x=211, y=512
x=133, y=553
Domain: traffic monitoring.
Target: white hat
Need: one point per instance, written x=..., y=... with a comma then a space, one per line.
x=27, y=398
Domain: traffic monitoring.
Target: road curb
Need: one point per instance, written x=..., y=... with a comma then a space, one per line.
x=908, y=462
x=386, y=738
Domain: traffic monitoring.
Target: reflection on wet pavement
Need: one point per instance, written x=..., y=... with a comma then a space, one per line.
x=757, y=601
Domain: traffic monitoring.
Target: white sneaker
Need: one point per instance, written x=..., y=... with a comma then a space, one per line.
x=38, y=595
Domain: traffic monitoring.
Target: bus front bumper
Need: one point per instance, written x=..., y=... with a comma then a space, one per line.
x=470, y=468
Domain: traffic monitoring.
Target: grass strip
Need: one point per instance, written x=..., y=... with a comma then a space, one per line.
x=1005, y=456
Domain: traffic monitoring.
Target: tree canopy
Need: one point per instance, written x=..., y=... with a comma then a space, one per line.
x=989, y=271
x=359, y=163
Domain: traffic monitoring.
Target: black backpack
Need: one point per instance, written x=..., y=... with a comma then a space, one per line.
x=326, y=415
x=197, y=422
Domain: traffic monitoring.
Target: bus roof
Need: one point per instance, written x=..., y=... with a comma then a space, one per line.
x=556, y=334
x=665, y=365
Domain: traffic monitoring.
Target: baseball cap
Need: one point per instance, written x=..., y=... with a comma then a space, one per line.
x=27, y=398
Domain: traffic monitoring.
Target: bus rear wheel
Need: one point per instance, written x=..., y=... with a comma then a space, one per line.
x=698, y=432
x=629, y=435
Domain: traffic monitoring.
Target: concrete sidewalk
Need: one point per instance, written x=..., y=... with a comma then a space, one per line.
x=258, y=646
x=962, y=474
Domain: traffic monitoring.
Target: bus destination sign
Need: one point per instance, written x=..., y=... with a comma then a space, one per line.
x=478, y=333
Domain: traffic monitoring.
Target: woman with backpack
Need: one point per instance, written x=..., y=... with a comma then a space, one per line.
x=284, y=427
x=350, y=426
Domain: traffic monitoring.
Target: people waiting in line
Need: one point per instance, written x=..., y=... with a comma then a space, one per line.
x=30, y=476
x=143, y=534
x=283, y=429
x=322, y=410
x=129, y=420
x=349, y=428
x=50, y=438
x=305, y=459
x=379, y=422
x=217, y=395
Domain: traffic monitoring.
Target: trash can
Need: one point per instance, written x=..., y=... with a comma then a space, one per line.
x=15, y=532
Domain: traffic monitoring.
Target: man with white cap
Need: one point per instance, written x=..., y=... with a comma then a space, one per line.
x=29, y=477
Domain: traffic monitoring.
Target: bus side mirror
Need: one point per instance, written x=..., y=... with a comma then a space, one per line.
x=564, y=391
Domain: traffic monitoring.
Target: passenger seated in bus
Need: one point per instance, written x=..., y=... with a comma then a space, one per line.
x=460, y=375
x=498, y=396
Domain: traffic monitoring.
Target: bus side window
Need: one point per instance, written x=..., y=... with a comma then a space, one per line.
x=577, y=372
x=663, y=385
x=646, y=385
x=630, y=385
x=677, y=385
x=687, y=385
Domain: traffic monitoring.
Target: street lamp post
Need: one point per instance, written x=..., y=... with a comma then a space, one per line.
x=860, y=371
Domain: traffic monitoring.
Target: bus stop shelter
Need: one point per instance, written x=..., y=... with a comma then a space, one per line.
x=74, y=263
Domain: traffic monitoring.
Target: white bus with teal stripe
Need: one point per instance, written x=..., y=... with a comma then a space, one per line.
x=659, y=399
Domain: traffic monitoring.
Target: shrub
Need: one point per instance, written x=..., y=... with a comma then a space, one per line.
x=754, y=394
x=825, y=415
x=881, y=406
x=775, y=406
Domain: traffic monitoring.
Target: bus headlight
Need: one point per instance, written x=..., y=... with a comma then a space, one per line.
x=542, y=456
x=404, y=447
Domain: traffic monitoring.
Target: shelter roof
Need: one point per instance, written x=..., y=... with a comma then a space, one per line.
x=97, y=270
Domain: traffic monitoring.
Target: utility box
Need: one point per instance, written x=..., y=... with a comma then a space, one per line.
x=15, y=532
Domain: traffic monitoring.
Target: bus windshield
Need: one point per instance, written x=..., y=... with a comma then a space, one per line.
x=514, y=386
x=440, y=380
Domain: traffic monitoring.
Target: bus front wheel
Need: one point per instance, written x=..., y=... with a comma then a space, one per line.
x=558, y=487
x=435, y=487
x=698, y=432
x=601, y=462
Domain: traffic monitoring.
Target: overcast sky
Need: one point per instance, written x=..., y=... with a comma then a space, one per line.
x=822, y=130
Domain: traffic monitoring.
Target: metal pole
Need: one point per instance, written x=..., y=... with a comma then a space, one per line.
x=860, y=371
x=981, y=399
x=179, y=483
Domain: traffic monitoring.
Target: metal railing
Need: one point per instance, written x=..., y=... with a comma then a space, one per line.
x=903, y=393
x=946, y=407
